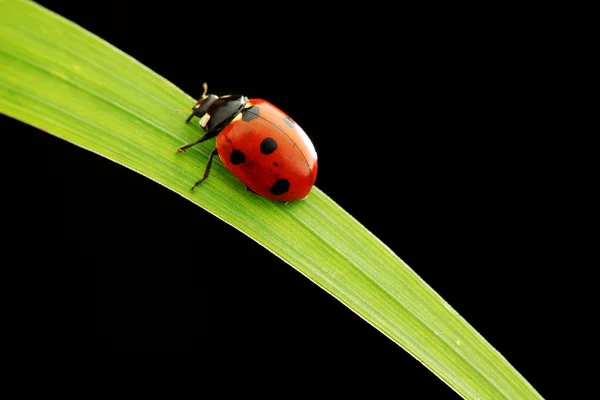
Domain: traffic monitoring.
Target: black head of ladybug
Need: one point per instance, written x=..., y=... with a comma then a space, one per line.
x=203, y=103
x=216, y=112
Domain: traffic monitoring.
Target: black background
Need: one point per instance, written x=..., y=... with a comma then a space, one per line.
x=423, y=124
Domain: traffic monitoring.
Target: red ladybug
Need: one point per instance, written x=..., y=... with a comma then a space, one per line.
x=259, y=144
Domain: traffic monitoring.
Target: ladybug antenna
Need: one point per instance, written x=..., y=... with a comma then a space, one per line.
x=205, y=86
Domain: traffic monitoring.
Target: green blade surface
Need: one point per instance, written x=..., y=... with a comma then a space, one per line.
x=60, y=78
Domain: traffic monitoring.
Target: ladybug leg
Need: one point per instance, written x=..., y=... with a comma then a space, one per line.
x=187, y=109
x=206, y=136
x=207, y=170
x=189, y=118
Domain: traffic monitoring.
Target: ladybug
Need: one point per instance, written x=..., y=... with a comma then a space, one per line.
x=260, y=144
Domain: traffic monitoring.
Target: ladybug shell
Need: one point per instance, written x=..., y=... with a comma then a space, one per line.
x=269, y=152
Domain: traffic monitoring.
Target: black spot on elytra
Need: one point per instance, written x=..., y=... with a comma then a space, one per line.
x=280, y=186
x=251, y=113
x=275, y=164
x=268, y=146
x=289, y=122
x=237, y=157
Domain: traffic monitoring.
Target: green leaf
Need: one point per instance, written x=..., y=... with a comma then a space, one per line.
x=64, y=80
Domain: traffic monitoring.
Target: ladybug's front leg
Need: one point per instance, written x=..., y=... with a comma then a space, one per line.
x=189, y=118
x=206, y=136
x=207, y=170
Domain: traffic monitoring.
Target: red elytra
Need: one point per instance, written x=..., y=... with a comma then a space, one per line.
x=260, y=144
x=280, y=161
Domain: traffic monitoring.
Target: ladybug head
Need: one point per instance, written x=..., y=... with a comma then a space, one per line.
x=204, y=102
